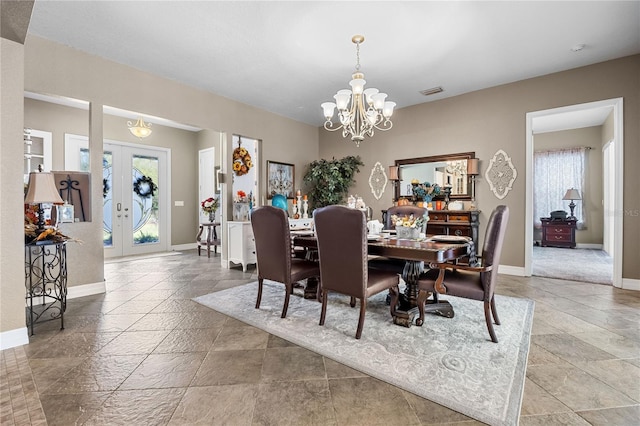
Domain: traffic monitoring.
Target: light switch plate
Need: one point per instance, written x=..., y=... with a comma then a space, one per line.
x=178, y=203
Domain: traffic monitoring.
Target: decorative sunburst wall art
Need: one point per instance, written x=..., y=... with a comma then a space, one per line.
x=501, y=174
x=378, y=180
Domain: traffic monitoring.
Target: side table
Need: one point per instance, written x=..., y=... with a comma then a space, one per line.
x=211, y=239
x=45, y=271
x=558, y=232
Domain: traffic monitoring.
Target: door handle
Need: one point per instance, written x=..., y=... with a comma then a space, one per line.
x=118, y=206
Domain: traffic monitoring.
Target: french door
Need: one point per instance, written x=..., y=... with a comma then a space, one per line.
x=135, y=198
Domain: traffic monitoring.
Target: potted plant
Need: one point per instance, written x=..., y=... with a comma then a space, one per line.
x=329, y=180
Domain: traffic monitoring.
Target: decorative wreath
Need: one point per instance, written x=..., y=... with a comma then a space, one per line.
x=144, y=187
x=105, y=187
x=241, y=161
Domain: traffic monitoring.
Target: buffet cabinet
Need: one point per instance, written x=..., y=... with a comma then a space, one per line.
x=558, y=232
x=242, y=245
x=454, y=222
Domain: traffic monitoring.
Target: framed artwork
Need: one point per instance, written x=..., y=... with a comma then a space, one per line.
x=280, y=179
x=217, y=185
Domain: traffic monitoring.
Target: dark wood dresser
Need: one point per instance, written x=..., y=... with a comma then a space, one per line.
x=454, y=222
x=558, y=232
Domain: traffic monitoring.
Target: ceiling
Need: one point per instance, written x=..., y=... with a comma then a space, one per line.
x=289, y=57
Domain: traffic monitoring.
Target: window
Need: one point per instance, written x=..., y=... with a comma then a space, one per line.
x=555, y=172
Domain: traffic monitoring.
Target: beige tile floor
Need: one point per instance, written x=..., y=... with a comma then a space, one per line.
x=145, y=354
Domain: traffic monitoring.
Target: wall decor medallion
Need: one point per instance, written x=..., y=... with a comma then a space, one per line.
x=378, y=180
x=241, y=160
x=501, y=174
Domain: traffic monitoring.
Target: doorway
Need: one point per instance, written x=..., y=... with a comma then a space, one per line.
x=135, y=180
x=615, y=234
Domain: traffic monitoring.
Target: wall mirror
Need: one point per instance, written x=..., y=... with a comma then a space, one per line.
x=444, y=170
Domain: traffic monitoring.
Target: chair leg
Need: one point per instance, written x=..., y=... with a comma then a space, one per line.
x=259, y=293
x=287, y=295
x=422, y=299
x=363, y=308
x=323, y=311
x=493, y=311
x=319, y=291
x=394, y=292
x=487, y=317
x=352, y=302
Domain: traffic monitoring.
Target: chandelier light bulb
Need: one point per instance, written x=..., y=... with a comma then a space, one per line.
x=360, y=110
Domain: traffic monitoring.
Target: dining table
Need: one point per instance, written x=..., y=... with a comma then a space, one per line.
x=429, y=251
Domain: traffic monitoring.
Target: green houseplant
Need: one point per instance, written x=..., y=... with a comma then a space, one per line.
x=330, y=180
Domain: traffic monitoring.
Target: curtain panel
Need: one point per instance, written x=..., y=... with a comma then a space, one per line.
x=555, y=172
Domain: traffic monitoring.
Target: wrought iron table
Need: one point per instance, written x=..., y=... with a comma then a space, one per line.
x=45, y=272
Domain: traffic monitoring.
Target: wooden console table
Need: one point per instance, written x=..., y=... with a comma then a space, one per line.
x=212, y=237
x=558, y=232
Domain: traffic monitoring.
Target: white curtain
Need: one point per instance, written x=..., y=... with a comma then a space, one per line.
x=555, y=172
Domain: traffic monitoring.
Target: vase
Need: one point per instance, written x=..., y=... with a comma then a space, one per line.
x=212, y=216
x=405, y=232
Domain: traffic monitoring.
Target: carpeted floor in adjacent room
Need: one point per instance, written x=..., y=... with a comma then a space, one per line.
x=584, y=265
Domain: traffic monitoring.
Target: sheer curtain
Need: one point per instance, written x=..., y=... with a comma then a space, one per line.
x=555, y=172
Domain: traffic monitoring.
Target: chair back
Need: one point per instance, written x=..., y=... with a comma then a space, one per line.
x=273, y=243
x=342, y=249
x=492, y=247
x=404, y=211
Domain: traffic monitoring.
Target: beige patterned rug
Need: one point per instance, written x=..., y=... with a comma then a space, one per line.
x=450, y=361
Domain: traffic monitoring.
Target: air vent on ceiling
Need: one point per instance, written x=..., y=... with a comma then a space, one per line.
x=432, y=91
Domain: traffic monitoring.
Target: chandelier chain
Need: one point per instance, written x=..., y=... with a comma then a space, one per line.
x=357, y=56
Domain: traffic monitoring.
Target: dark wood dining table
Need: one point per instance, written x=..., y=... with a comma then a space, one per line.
x=415, y=253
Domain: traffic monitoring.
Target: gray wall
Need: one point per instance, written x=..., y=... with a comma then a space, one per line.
x=488, y=120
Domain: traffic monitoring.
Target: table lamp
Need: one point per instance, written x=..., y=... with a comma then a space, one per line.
x=572, y=194
x=473, y=170
x=394, y=177
x=42, y=189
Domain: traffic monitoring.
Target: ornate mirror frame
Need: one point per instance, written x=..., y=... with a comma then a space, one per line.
x=437, y=159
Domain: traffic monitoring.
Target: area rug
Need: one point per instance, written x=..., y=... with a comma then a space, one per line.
x=586, y=265
x=450, y=361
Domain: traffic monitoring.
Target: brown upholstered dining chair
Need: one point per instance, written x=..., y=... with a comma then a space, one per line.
x=273, y=252
x=342, y=249
x=477, y=283
x=389, y=264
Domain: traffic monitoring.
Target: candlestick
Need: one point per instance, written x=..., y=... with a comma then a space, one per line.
x=305, y=207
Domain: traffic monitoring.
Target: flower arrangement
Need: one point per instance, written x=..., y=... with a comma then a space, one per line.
x=408, y=221
x=210, y=205
x=425, y=190
x=241, y=196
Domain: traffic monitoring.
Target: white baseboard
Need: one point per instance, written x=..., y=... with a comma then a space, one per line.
x=589, y=246
x=86, y=290
x=630, y=284
x=189, y=246
x=511, y=270
x=12, y=338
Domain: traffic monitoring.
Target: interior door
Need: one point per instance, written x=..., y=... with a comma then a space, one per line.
x=608, y=201
x=135, y=181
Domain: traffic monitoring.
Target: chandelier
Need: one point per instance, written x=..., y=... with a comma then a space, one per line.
x=140, y=129
x=367, y=111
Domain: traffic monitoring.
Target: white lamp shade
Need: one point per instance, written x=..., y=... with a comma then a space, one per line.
x=42, y=189
x=342, y=98
x=378, y=100
x=572, y=194
x=357, y=85
x=368, y=93
x=387, y=111
x=328, y=108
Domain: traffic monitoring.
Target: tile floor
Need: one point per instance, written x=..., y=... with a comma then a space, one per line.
x=145, y=354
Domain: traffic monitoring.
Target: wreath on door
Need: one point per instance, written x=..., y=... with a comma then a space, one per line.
x=144, y=187
x=241, y=160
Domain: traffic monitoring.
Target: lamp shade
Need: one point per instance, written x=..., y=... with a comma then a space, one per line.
x=42, y=189
x=572, y=194
x=393, y=173
x=473, y=168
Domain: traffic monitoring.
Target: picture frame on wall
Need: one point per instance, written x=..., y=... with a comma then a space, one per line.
x=280, y=179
